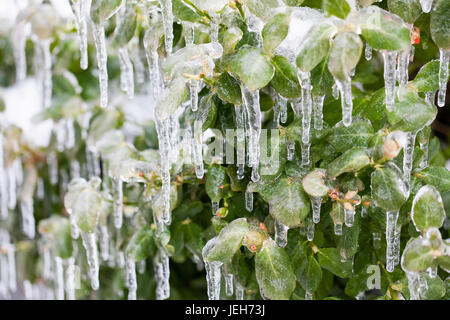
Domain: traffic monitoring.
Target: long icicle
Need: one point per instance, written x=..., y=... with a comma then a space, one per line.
x=89, y=243
x=19, y=38
x=281, y=232
x=59, y=278
x=127, y=74
x=163, y=127
x=345, y=88
x=318, y=111
x=166, y=6
x=443, y=75
x=162, y=274
x=47, y=79
x=213, y=271
x=390, y=58
x=198, y=149
x=102, y=60
x=305, y=80
x=131, y=279
x=240, y=135
x=79, y=10
x=408, y=154
x=391, y=223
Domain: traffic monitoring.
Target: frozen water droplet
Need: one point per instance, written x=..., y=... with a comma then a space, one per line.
x=349, y=217
x=338, y=229
x=89, y=243
x=318, y=112
x=390, y=61
x=249, y=201
x=126, y=72
x=426, y=5
x=316, y=203
x=281, y=232
x=213, y=271
x=368, y=52
x=443, y=75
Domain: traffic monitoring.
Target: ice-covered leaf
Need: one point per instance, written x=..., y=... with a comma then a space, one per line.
x=142, y=244
x=210, y=5
x=253, y=67
x=411, y=113
x=275, y=31
x=330, y=259
x=389, y=188
x=102, y=10
x=127, y=27
x=228, y=89
x=315, y=47
x=439, y=23
x=230, y=38
x=427, y=79
x=185, y=12
x=418, y=256
x=314, y=184
x=427, y=209
x=228, y=241
x=439, y=177
x=345, y=53
x=383, y=30
x=217, y=183
x=171, y=98
x=274, y=272
x=285, y=80
x=351, y=160
x=408, y=10
x=358, y=134
x=338, y=8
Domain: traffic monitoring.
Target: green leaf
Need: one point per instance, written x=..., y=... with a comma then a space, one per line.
x=408, y=10
x=310, y=280
x=444, y=262
x=351, y=160
x=285, y=80
x=389, y=188
x=253, y=67
x=230, y=38
x=315, y=47
x=338, y=8
x=127, y=27
x=217, y=183
x=383, y=30
x=345, y=53
x=185, y=12
x=435, y=288
x=102, y=10
x=275, y=31
x=321, y=79
x=427, y=209
x=427, y=79
x=142, y=244
x=439, y=24
x=228, y=89
x=417, y=256
x=439, y=177
x=358, y=134
x=228, y=241
x=274, y=272
x=330, y=259
x=411, y=113
x=314, y=184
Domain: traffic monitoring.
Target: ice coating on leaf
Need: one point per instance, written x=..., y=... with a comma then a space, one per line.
x=210, y=5
x=443, y=75
x=126, y=70
x=390, y=58
x=427, y=209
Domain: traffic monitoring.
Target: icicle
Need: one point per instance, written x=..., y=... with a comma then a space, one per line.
x=102, y=58
x=368, y=52
x=70, y=279
x=138, y=65
x=120, y=259
x=249, y=201
x=281, y=232
x=164, y=150
x=214, y=24
x=59, y=278
x=391, y=222
x=429, y=97
x=229, y=279
x=104, y=243
x=240, y=135
x=282, y=109
x=52, y=162
x=162, y=274
x=376, y=237
x=131, y=279
x=189, y=33
x=251, y=103
x=141, y=266
x=345, y=88
x=74, y=230
x=390, y=61
x=239, y=292
x=213, y=271
x=12, y=268
x=19, y=39
x=214, y=207
x=118, y=203
x=193, y=92
x=310, y=231
x=318, y=111
x=397, y=234
x=126, y=72
x=308, y=295
x=305, y=154
x=335, y=91
x=197, y=148
x=89, y=243
x=70, y=134
x=402, y=70
x=305, y=80
x=338, y=229
x=12, y=186
x=4, y=275
x=432, y=271
x=79, y=10
x=316, y=203
x=408, y=155
x=3, y=185
x=363, y=211
x=290, y=145
x=154, y=72
x=413, y=285
x=426, y=5
x=28, y=222
x=166, y=6
x=349, y=217
x=47, y=80
x=443, y=75
x=47, y=264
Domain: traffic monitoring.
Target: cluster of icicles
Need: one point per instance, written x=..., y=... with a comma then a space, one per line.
x=248, y=121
